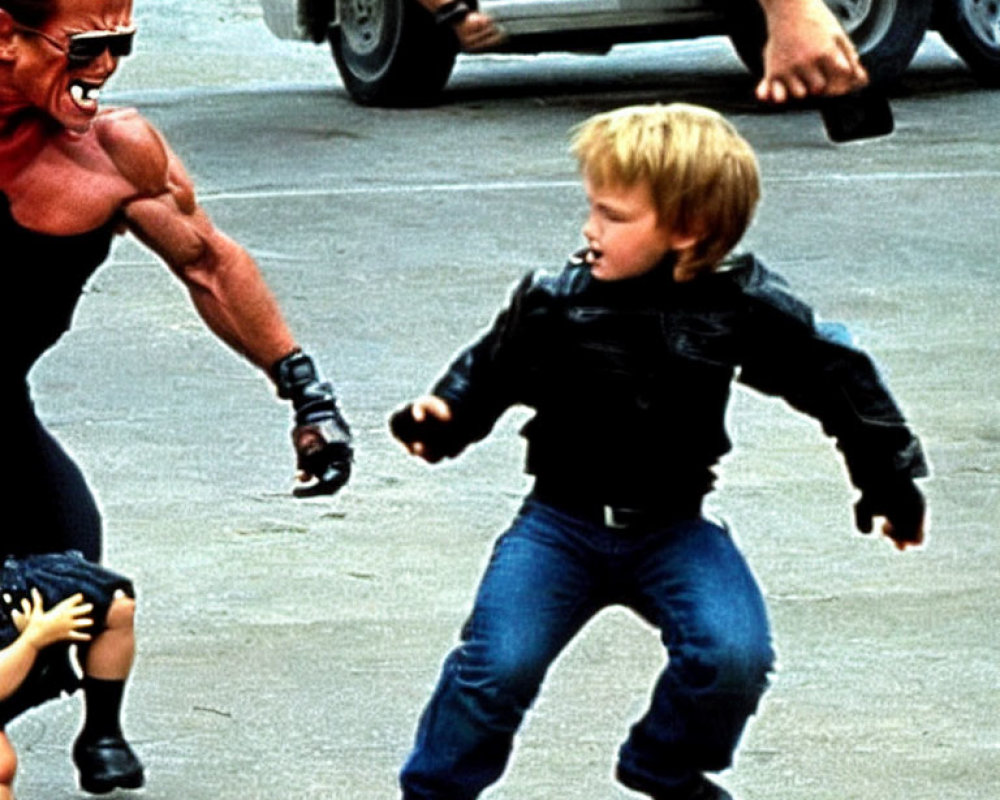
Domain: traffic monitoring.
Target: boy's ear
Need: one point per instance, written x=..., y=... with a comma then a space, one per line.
x=684, y=241
x=684, y=246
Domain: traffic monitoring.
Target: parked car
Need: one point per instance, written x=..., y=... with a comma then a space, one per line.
x=389, y=52
x=972, y=28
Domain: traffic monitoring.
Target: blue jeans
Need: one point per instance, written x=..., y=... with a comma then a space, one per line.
x=550, y=574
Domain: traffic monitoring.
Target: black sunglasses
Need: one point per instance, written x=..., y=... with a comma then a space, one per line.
x=86, y=47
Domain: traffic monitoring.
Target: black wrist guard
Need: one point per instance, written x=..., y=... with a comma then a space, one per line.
x=292, y=374
x=451, y=13
x=298, y=380
x=321, y=436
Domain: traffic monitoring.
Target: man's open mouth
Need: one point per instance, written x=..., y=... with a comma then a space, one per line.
x=85, y=94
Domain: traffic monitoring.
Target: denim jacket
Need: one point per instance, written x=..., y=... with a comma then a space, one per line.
x=630, y=379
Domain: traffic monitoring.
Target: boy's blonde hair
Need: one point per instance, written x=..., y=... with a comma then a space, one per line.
x=703, y=175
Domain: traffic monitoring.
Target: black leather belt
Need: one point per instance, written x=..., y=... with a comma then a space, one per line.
x=625, y=516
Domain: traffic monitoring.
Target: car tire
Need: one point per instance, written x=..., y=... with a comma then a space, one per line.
x=886, y=33
x=972, y=29
x=390, y=53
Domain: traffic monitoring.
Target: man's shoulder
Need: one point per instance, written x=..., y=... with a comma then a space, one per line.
x=135, y=147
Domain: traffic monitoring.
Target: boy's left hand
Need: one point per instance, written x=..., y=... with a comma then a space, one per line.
x=902, y=506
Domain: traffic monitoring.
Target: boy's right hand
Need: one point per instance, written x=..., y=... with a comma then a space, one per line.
x=63, y=622
x=422, y=427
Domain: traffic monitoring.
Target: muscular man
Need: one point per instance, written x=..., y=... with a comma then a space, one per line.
x=72, y=177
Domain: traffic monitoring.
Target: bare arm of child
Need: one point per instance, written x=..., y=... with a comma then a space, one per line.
x=38, y=629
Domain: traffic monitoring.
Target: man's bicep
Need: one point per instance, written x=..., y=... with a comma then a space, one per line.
x=178, y=236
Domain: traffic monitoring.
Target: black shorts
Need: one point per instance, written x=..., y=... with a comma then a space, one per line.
x=57, y=576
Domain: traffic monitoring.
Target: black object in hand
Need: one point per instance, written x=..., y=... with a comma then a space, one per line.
x=901, y=503
x=864, y=114
x=436, y=436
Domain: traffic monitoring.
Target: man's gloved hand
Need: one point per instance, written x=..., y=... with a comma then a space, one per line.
x=321, y=436
x=903, y=507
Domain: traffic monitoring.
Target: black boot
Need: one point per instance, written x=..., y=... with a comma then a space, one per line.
x=697, y=787
x=106, y=764
x=103, y=758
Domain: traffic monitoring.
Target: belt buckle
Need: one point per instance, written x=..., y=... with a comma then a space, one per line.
x=611, y=519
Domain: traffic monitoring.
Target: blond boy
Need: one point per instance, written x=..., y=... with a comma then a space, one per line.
x=627, y=356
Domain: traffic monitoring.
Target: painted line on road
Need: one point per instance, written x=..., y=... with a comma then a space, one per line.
x=519, y=186
x=886, y=176
x=427, y=188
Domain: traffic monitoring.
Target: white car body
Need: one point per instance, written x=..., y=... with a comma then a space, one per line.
x=528, y=17
x=389, y=52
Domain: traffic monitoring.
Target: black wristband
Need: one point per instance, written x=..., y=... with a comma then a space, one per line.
x=451, y=13
x=293, y=372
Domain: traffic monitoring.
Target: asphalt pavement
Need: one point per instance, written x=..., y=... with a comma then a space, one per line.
x=287, y=647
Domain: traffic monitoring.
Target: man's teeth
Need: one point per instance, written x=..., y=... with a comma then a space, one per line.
x=85, y=94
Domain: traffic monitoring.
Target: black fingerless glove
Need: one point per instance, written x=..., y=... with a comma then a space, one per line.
x=321, y=436
x=900, y=502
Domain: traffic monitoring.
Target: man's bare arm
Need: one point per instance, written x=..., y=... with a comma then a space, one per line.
x=807, y=53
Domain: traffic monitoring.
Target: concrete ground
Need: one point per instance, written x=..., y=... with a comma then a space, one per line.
x=287, y=647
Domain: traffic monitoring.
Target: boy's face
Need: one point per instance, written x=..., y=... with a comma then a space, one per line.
x=623, y=231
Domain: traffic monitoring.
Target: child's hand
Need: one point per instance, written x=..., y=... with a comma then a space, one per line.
x=421, y=427
x=903, y=508
x=63, y=622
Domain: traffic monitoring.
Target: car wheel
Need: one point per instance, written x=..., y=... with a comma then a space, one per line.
x=390, y=53
x=885, y=32
x=972, y=28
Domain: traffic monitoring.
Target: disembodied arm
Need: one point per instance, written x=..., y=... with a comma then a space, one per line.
x=65, y=621
x=807, y=53
x=473, y=29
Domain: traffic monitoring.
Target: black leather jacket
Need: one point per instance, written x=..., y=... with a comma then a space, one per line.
x=630, y=379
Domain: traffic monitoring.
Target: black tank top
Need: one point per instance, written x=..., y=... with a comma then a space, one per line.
x=42, y=277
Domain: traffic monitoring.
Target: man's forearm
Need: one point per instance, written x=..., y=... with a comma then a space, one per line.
x=233, y=299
